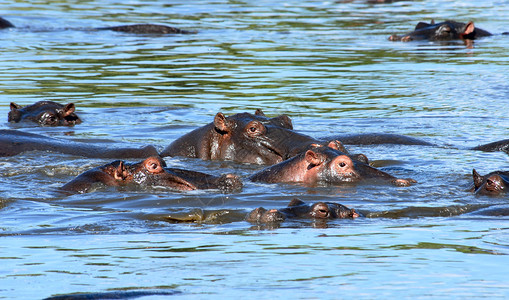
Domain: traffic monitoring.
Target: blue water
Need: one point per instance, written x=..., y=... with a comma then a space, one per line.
x=326, y=64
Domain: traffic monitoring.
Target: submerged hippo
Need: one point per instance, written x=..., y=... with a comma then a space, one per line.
x=14, y=142
x=5, y=24
x=444, y=31
x=244, y=138
x=146, y=29
x=149, y=173
x=494, y=183
x=299, y=209
x=46, y=113
x=502, y=145
x=324, y=165
x=134, y=28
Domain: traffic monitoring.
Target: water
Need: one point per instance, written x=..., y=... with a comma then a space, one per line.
x=326, y=64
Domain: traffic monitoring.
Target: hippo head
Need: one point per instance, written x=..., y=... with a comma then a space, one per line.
x=325, y=164
x=255, y=138
x=495, y=183
x=328, y=165
x=262, y=215
x=152, y=172
x=46, y=113
x=444, y=31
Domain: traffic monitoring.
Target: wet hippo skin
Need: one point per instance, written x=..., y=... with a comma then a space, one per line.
x=151, y=172
x=324, y=165
x=14, y=142
x=299, y=209
x=45, y=113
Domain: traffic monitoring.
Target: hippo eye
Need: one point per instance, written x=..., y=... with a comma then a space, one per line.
x=255, y=128
x=490, y=182
x=342, y=164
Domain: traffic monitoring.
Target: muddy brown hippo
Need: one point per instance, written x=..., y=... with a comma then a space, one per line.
x=14, y=142
x=502, y=145
x=244, y=138
x=299, y=209
x=132, y=28
x=146, y=29
x=150, y=173
x=493, y=184
x=324, y=165
x=45, y=113
x=443, y=31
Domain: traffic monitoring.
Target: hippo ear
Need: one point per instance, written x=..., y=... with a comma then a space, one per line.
x=337, y=145
x=295, y=202
x=478, y=179
x=313, y=158
x=469, y=28
x=361, y=157
x=15, y=106
x=221, y=123
x=68, y=109
x=153, y=165
x=423, y=25
x=432, y=22
x=284, y=121
x=119, y=173
x=259, y=112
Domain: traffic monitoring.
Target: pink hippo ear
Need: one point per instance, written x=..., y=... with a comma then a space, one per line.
x=477, y=179
x=119, y=173
x=221, y=123
x=337, y=145
x=469, y=28
x=432, y=22
x=15, y=106
x=153, y=165
x=313, y=158
x=68, y=109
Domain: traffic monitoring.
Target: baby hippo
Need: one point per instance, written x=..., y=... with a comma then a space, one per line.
x=299, y=209
x=150, y=173
x=324, y=165
x=493, y=184
x=46, y=113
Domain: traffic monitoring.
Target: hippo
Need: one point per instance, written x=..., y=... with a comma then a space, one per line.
x=324, y=165
x=133, y=28
x=150, y=173
x=14, y=142
x=146, y=29
x=120, y=294
x=443, y=31
x=5, y=24
x=502, y=145
x=299, y=209
x=45, y=113
x=492, y=184
x=243, y=138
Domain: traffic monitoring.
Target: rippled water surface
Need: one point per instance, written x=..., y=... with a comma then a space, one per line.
x=328, y=65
